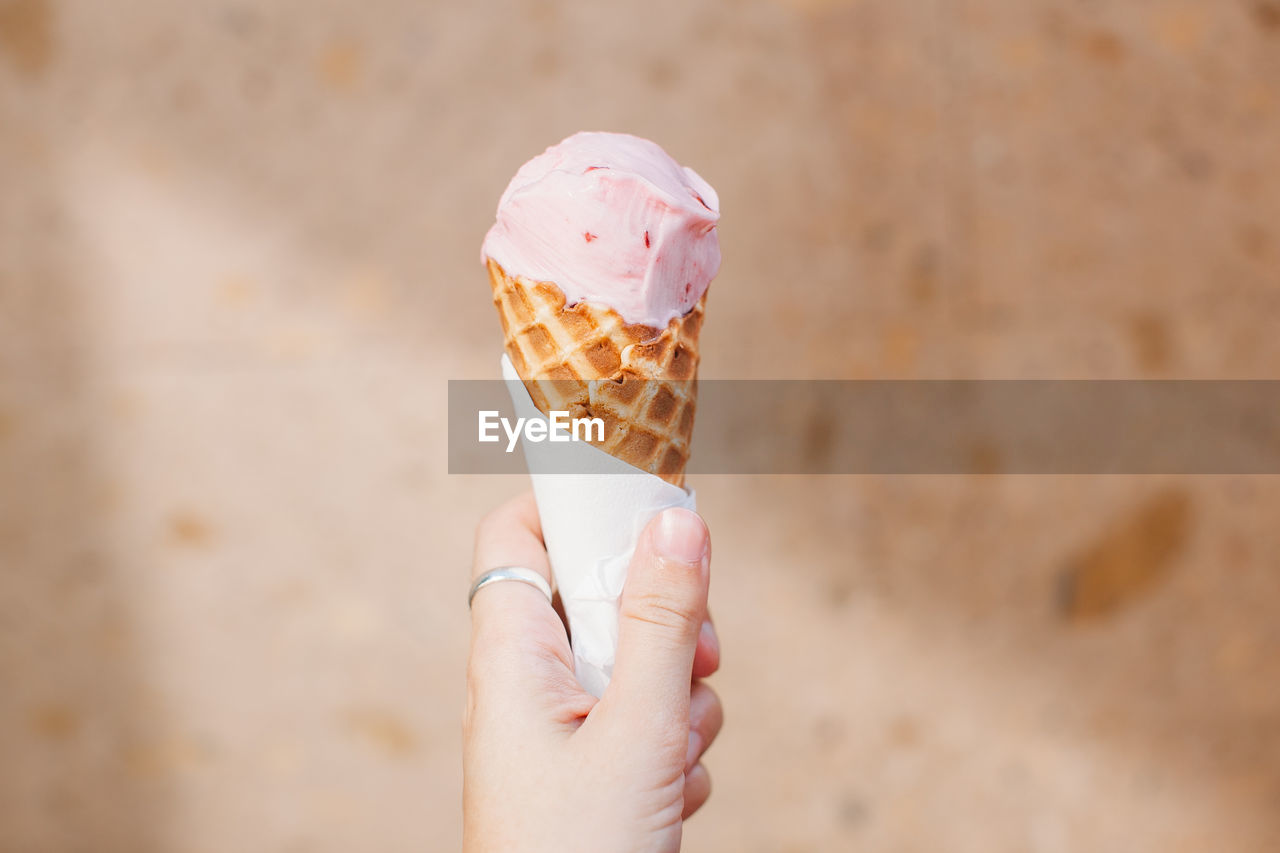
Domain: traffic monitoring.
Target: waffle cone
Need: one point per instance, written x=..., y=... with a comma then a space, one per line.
x=586, y=360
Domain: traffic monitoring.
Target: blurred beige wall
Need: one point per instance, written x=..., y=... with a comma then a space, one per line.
x=239, y=260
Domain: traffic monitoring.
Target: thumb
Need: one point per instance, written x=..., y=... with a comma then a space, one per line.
x=664, y=603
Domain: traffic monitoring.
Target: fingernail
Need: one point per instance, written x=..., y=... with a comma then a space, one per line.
x=695, y=749
x=681, y=536
x=707, y=636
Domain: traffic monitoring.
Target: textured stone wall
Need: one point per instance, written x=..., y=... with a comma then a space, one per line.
x=239, y=260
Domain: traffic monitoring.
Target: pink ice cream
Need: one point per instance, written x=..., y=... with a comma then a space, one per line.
x=611, y=219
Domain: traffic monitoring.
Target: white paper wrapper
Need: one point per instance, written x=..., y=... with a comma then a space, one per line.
x=591, y=523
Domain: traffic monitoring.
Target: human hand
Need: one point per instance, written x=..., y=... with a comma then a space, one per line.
x=547, y=766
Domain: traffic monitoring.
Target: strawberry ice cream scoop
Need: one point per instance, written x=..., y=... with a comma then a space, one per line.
x=611, y=219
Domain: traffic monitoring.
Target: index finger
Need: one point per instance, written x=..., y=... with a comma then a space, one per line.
x=511, y=535
x=510, y=619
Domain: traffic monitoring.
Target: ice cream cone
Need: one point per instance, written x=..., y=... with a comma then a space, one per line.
x=599, y=258
x=585, y=359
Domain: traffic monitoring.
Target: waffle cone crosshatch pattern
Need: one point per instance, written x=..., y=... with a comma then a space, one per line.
x=587, y=361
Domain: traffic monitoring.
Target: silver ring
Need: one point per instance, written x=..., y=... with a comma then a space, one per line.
x=510, y=573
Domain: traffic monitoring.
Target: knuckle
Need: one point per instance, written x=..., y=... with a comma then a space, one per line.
x=490, y=522
x=499, y=518
x=491, y=650
x=663, y=610
x=476, y=677
x=715, y=708
x=715, y=720
x=487, y=664
x=704, y=695
x=706, y=708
